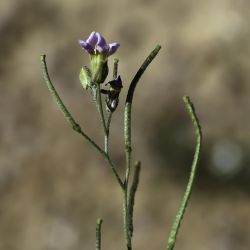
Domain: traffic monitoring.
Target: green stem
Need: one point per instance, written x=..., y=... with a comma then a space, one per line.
x=126, y=219
x=101, y=113
x=62, y=107
x=131, y=198
x=139, y=73
x=72, y=121
x=98, y=234
x=180, y=214
x=128, y=106
x=127, y=138
x=106, y=135
x=112, y=167
x=129, y=99
x=115, y=68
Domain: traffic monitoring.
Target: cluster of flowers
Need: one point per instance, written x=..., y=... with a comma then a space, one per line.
x=99, y=52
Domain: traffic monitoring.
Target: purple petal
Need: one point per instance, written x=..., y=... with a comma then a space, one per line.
x=93, y=38
x=86, y=46
x=102, y=46
x=113, y=48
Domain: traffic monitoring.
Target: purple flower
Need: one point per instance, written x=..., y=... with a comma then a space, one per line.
x=96, y=44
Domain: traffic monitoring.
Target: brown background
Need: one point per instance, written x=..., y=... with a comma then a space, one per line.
x=53, y=185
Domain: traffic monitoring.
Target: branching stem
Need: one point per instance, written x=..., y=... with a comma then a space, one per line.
x=72, y=121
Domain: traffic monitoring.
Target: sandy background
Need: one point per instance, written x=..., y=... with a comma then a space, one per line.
x=53, y=185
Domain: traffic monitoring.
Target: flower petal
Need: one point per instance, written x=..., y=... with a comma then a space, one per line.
x=93, y=38
x=102, y=46
x=112, y=48
x=86, y=46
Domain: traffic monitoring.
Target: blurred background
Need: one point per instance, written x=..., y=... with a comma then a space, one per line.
x=53, y=184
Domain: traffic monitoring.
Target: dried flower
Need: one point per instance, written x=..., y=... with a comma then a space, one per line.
x=113, y=93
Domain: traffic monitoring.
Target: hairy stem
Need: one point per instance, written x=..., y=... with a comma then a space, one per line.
x=62, y=107
x=98, y=234
x=72, y=121
x=127, y=139
x=131, y=198
x=180, y=214
x=126, y=219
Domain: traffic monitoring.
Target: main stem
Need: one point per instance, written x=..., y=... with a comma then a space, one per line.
x=128, y=149
x=126, y=218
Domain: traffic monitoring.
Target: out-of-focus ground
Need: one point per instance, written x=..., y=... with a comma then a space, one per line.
x=53, y=185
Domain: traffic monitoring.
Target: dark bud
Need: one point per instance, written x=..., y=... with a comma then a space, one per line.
x=116, y=84
x=113, y=93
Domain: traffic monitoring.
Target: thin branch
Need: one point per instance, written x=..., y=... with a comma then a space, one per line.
x=109, y=121
x=139, y=73
x=98, y=234
x=106, y=136
x=115, y=69
x=72, y=121
x=131, y=198
x=112, y=167
x=129, y=99
x=100, y=108
x=62, y=107
x=180, y=214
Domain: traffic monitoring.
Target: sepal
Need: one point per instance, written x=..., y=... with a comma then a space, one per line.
x=85, y=77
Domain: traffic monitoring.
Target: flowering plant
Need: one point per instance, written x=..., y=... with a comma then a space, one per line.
x=92, y=78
